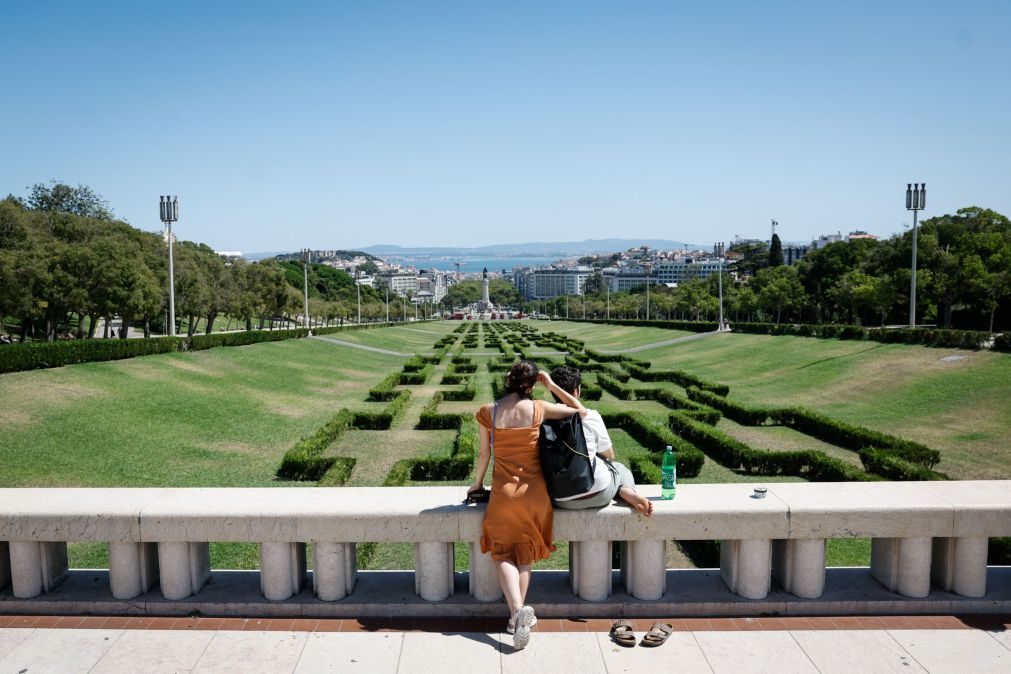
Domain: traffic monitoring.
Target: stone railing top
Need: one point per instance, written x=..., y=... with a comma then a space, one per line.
x=426, y=514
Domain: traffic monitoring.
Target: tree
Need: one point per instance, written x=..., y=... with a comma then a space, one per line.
x=594, y=284
x=776, y=252
x=754, y=256
x=779, y=290
x=59, y=197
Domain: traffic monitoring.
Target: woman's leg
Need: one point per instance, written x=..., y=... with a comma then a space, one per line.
x=524, y=572
x=509, y=578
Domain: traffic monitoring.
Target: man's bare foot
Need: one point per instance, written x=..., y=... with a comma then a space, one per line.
x=642, y=505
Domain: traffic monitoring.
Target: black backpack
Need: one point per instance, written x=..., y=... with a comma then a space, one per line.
x=565, y=460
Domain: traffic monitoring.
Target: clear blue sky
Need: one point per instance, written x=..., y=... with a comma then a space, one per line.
x=344, y=124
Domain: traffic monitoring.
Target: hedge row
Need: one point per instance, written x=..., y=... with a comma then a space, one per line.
x=305, y=461
x=674, y=376
x=381, y=421
x=668, y=398
x=35, y=355
x=616, y=358
x=644, y=469
x=893, y=467
x=656, y=436
x=433, y=420
x=385, y=390
x=614, y=387
x=855, y=437
x=1002, y=342
x=456, y=466
x=742, y=414
x=339, y=473
x=408, y=378
x=959, y=339
x=466, y=393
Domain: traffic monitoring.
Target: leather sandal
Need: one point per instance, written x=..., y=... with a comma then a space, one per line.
x=657, y=635
x=623, y=633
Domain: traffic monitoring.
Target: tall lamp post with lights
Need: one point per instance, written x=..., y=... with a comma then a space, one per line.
x=358, y=291
x=649, y=268
x=169, y=214
x=305, y=271
x=720, y=284
x=916, y=201
x=607, y=284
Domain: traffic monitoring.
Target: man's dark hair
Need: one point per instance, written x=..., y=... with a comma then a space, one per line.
x=567, y=378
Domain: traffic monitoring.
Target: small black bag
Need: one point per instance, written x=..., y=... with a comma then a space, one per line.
x=565, y=459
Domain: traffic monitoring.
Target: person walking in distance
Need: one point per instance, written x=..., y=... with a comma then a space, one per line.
x=518, y=521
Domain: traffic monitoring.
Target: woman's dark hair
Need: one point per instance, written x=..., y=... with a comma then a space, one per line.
x=521, y=379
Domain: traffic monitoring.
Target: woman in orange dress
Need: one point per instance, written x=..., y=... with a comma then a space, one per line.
x=517, y=523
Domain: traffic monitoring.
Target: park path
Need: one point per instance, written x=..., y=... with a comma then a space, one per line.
x=668, y=342
x=363, y=347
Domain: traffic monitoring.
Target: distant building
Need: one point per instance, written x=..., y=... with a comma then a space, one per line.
x=825, y=240
x=542, y=283
x=793, y=252
x=860, y=234
x=401, y=283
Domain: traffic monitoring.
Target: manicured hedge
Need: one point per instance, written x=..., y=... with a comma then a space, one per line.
x=675, y=376
x=339, y=473
x=466, y=393
x=381, y=421
x=655, y=436
x=734, y=454
x=385, y=390
x=851, y=436
x=305, y=461
x=960, y=339
x=748, y=416
x=687, y=326
x=456, y=466
x=35, y=355
x=432, y=420
x=893, y=467
x=1002, y=342
x=668, y=398
x=409, y=378
x=614, y=387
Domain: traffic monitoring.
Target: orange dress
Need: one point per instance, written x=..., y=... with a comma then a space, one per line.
x=517, y=524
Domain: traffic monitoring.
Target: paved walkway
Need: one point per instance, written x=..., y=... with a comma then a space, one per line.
x=668, y=342
x=361, y=346
x=32, y=645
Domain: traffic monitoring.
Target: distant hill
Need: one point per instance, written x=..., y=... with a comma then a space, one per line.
x=536, y=249
x=337, y=255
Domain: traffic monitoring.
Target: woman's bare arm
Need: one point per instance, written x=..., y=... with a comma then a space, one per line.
x=483, y=459
x=563, y=395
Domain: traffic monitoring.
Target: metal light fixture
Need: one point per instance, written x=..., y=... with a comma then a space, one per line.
x=306, y=256
x=169, y=211
x=916, y=201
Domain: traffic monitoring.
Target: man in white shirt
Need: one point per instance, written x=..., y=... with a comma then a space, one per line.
x=611, y=480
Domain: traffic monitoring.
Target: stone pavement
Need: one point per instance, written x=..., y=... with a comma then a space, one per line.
x=34, y=645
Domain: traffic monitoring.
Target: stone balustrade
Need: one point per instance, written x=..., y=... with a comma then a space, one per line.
x=923, y=534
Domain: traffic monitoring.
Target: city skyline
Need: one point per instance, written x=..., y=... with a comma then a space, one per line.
x=453, y=124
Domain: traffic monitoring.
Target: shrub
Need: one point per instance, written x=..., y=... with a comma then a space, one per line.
x=655, y=435
x=590, y=392
x=33, y=355
x=305, y=461
x=1002, y=342
x=748, y=416
x=432, y=420
x=852, y=436
x=717, y=444
x=466, y=393
x=644, y=469
x=339, y=473
x=414, y=364
x=675, y=376
x=381, y=421
x=415, y=378
x=999, y=551
x=670, y=399
x=385, y=390
x=614, y=388
x=894, y=467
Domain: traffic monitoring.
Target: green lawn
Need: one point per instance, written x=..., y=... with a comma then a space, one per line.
x=224, y=417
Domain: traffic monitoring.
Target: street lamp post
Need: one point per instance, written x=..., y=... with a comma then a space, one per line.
x=649, y=268
x=387, y=303
x=169, y=214
x=916, y=200
x=607, y=284
x=358, y=290
x=305, y=269
x=720, y=261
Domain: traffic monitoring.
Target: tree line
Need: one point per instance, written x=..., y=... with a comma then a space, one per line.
x=963, y=281
x=66, y=262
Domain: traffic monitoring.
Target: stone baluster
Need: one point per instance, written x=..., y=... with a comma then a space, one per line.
x=433, y=570
x=959, y=565
x=484, y=585
x=590, y=569
x=746, y=567
x=133, y=568
x=36, y=567
x=798, y=565
x=282, y=569
x=903, y=564
x=184, y=568
x=644, y=569
x=334, y=570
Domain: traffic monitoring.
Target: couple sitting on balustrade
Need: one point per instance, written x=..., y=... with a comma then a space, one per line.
x=518, y=522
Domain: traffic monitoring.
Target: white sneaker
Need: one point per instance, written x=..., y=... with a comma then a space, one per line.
x=524, y=620
x=511, y=625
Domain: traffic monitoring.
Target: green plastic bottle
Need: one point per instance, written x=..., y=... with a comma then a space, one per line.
x=669, y=468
